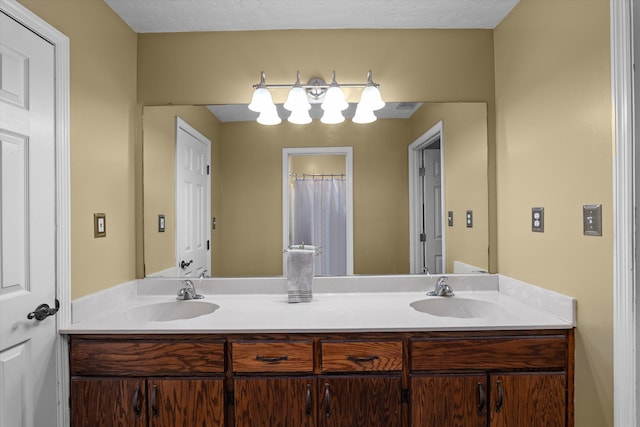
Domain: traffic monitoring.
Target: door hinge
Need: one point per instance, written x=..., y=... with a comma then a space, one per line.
x=423, y=237
x=422, y=171
x=208, y=170
x=208, y=244
x=230, y=398
x=406, y=397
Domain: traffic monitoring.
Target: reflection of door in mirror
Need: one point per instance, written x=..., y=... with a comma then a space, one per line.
x=318, y=206
x=193, y=197
x=430, y=178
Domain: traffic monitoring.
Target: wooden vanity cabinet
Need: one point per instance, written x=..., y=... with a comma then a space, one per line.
x=368, y=379
x=120, y=381
x=495, y=381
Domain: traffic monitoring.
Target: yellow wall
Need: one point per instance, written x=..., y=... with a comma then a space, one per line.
x=103, y=121
x=159, y=127
x=554, y=149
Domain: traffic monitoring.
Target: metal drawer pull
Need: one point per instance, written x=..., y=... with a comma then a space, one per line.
x=136, y=405
x=327, y=401
x=500, y=401
x=154, y=406
x=271, y=359
x=308, y=400
x=481, y=399
x=362, y=359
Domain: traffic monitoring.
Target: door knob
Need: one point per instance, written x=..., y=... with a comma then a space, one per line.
x=43, y=311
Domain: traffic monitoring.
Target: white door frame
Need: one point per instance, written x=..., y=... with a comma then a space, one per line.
x=415, y=147
x=286, y=194
x=625, y=327
x=63, y=253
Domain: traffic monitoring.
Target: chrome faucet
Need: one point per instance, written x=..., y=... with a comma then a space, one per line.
x=442, y=288
x=188, y=291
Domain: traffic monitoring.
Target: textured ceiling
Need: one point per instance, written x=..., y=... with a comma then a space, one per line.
x=156, y=16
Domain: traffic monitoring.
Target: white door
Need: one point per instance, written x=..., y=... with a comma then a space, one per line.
x=193, y=201
x=431, y=233
x=28, y=388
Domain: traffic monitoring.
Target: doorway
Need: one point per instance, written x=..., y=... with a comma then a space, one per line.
x=426, y=203
x=317, y=206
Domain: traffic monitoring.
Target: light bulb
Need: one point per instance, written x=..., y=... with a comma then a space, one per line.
x=297, y=100
x=334, y=99
x=269, y=117
x=363, y=115
x=261, y=100
x=332, y=117
x=371, y=98
x=299, y=117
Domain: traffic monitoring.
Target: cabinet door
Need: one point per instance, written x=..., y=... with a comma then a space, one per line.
x=186, y=402
x=274, y=401
x=360, y=400
x=108, y=402
x=528, y=399
x=450, y=400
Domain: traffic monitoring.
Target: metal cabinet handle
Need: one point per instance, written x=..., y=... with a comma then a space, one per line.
x=500, y=401
x=327, y=401
x=271, y=359
x=362, y=359
x=43, y=311
x=154, y=406
x=136, y=401
x=481, y=399
x=308, y=400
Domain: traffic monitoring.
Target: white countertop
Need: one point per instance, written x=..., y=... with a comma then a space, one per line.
x=355, y=304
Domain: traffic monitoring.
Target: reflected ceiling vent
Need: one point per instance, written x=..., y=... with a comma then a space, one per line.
x=408, y=106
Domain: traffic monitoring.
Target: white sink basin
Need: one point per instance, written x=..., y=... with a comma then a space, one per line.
x=173, y=310
x=456, y=307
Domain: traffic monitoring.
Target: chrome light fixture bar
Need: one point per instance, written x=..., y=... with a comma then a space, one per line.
x=330, y=96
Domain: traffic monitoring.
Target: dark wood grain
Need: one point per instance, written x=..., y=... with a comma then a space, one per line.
x=274, y=401
x=349, y=356
x=186, y=402
x=107, y=402
x=530, y=399
x=360, y=400
x=449, y=400
x=272, y=356
x=504, y=352
x=145, y=358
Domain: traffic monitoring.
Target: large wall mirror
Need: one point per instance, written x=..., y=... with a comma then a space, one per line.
x=247, y=196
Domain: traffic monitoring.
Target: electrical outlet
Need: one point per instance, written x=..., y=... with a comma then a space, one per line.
x=537, y=220
x=592, y=220
x=469, y=219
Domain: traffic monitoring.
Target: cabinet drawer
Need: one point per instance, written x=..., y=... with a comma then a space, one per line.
x=272, y=356
x=504, y=352
x=142, y=358
x=347, y=356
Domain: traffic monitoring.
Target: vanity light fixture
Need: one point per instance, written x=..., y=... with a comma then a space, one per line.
x=330, y=96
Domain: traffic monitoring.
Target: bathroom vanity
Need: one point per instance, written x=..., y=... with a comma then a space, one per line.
x=374, y=361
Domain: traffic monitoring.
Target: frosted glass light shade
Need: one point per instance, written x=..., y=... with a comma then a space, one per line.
x=297, y=100
x=299, y=117
x=261, y=100
x=269, y=117
x=371, y=98
x=332, y=117
x=334, y=100
x=363, y=115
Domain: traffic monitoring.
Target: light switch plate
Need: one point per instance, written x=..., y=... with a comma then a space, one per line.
x=537, y=220
x=592, y=220
x=161, y=223
x=99, y=225
x=450, y=218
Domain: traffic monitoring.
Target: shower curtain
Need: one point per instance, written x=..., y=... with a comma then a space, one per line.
x=320, y=219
